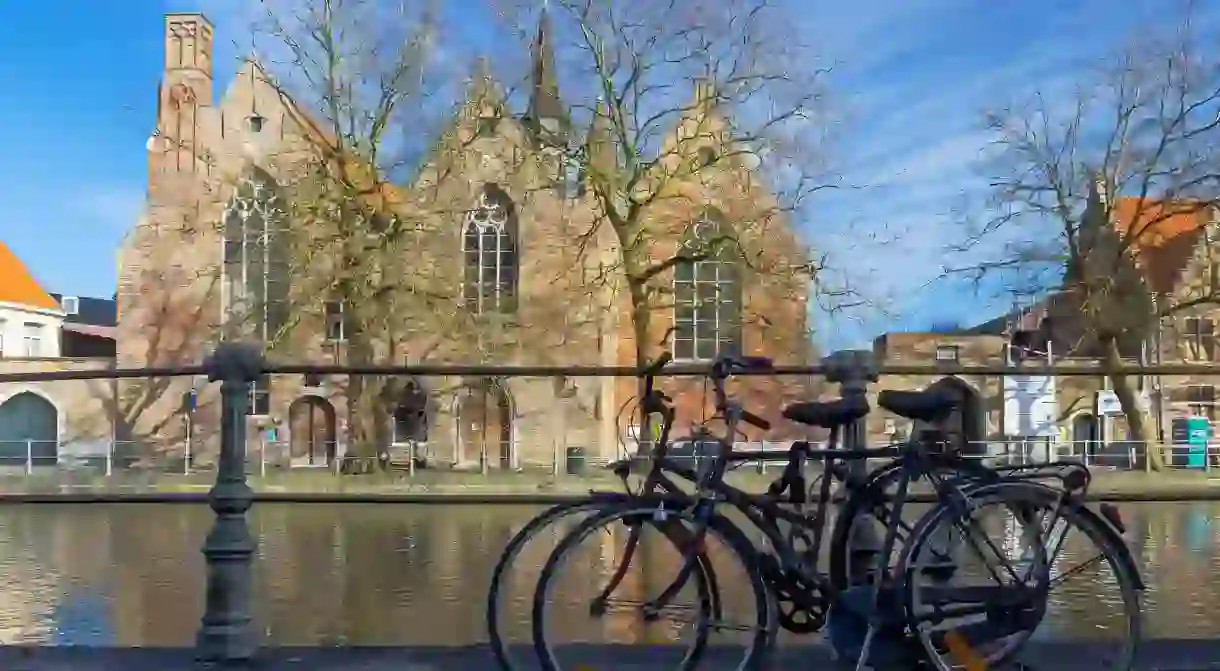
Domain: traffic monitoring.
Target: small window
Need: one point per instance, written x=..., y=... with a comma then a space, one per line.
x=260, y=397
x=573, y=179
x=1200, y=337
x=313, y=380
x=1201, y=400
x=70, y=305
x=946, y=353
x=255, y=123
x=33, y=339
x=336, y=330
x=486, y=125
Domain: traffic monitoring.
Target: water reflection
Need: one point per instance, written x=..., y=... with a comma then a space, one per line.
x=131, y=574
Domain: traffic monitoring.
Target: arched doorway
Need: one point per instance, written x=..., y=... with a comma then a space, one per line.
x=485, y=424
x=311, y=426
x=410, y=415
x=965, y=425
x=29, y=426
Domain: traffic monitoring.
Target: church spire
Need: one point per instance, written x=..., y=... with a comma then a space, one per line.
x=546, y=115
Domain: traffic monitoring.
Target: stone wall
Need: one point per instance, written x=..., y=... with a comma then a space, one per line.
x=84, y=409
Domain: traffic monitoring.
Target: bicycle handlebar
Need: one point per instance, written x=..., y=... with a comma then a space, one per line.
x=750, y=418
x=722, y=367
x=651, y=398
x=655, y=367
x=726, y=365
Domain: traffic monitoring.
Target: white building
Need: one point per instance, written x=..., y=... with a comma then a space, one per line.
x=31, y=321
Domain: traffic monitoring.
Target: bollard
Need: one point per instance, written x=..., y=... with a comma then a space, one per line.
x=226, y=633
x=853, y=370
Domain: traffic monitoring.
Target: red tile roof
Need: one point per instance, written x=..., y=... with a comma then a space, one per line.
x=1162, y=235
x=18, y=286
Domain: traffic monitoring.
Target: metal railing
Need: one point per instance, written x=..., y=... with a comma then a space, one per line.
x=226, y=631
x=269, y=458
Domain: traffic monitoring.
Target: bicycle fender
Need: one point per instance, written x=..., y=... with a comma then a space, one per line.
x=1111, y=534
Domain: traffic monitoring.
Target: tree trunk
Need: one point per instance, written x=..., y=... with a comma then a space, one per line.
x=1137, y=418
x=365, y=412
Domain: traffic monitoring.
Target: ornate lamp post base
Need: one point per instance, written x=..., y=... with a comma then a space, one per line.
x=226, y=632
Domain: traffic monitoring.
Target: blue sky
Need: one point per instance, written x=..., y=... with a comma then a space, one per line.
x=912, y=78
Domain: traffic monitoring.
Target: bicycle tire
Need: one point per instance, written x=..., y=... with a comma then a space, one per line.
x=515, y=545
x=739, y=545
x=510, y=553
x=1024, y=494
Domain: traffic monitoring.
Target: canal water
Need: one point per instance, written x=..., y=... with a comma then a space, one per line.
x=390, y=574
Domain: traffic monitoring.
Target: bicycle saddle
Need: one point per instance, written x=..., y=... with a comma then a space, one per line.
x=828, y=414
x=929, y=406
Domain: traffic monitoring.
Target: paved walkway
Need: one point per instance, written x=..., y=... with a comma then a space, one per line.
x=443, y=487
x=1164, y=655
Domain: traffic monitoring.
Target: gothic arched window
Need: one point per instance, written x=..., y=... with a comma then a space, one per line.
x=707, y=294
x=256, y=272
x=489, y=253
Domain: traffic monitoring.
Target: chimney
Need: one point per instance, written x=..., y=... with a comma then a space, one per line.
x=186, y=86
x=188, y=53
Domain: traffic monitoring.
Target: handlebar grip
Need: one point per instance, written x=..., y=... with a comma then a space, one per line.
x=750, y=418
x=658, y=363
x=757, y=362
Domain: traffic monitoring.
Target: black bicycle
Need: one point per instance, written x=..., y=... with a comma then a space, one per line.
x=787, y=587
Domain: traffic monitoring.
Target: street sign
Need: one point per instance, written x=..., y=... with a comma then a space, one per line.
x=1107, y=403
x=1030, y=406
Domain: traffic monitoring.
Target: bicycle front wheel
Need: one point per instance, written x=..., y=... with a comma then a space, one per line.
x=668, y=597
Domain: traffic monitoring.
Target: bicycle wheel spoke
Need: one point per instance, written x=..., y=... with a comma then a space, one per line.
x=961, y=622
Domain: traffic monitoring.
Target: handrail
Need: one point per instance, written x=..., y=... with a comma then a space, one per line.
x=675, y=370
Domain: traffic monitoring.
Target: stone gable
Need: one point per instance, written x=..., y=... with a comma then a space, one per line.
x=571, y=309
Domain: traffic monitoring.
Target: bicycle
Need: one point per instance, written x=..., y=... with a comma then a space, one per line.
x=788, y=574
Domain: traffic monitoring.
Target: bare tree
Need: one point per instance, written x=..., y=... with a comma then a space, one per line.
x=697, y=113
x=354, y=74
x=171, y=305
x=1085, y=192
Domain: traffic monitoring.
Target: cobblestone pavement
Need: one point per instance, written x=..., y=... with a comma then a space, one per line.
x=1162, y=655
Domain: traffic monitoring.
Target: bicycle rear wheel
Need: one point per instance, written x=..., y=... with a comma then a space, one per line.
x=862, y=518
x=1045, y=540
x=565, y=624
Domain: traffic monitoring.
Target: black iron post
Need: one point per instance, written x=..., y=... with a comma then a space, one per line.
x=226, y=633
x=853, y=370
